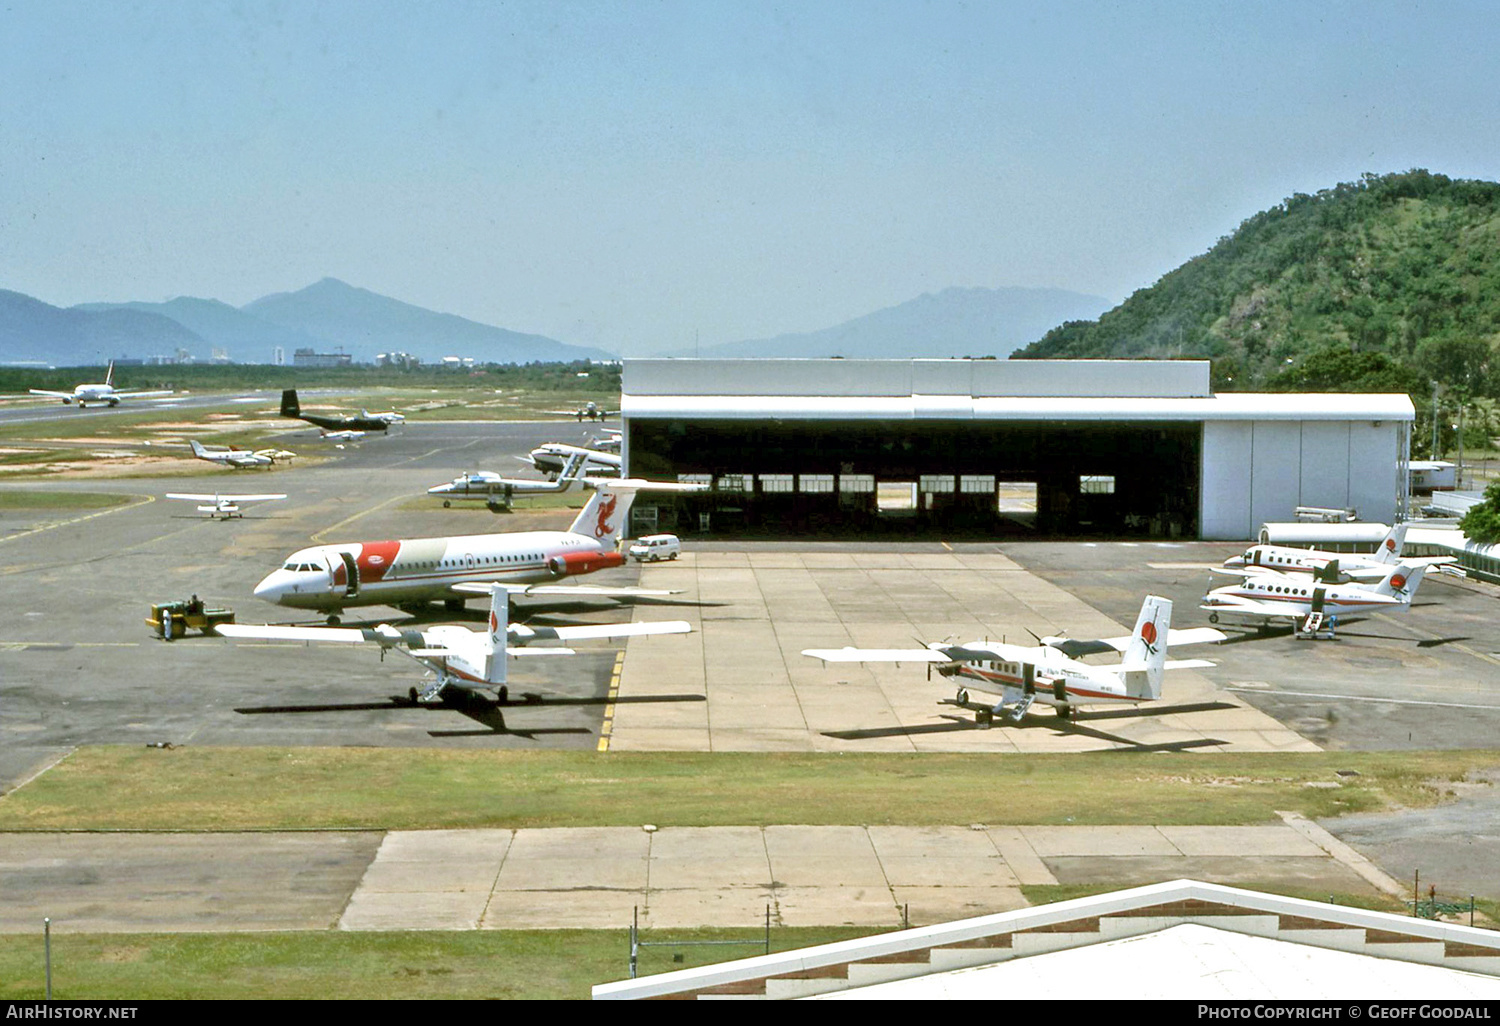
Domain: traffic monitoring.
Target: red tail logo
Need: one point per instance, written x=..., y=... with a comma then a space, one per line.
x=1148, y=635
x=1398, y=582
x=606, y=510
x=494, y=622
x=1390, y=543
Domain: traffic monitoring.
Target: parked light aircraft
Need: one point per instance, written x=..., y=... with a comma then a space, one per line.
x=102, y=394
x=552, y=458
x=456, y=656
x=1353, y=565
x=1046, y=673
x=224, y=506
x=390, y=416
x=238, y=458
x=330, y=578
x=342, y=438
x=292, y=409
x=1265, y=595
x=497, y=491
x=610, y=441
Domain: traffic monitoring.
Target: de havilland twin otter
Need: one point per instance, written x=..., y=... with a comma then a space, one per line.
x=1051, y=672
x=410, y=573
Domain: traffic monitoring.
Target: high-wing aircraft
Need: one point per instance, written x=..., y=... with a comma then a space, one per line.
x=102, y=394
x=292, y=409
x=456, y=656
x=330, y=578
x=389, y=416
x=552, y=458
x=497, y=492
x=1047, y=673
x=223, y=506
x=1352, y=565
x=238, y=458
x=610, y=441
x=1309, y=602
x=341, y=438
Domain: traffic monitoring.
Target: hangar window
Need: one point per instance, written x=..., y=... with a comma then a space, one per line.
x=856, y=482
x=777, y=483
x=1096, y=485
x=732, y=482
x=815, y=482
x=703, y=479
x=943, y=483
x=977, y=484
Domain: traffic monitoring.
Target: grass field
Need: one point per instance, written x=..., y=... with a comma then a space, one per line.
x=129, y=788
x=19, y=499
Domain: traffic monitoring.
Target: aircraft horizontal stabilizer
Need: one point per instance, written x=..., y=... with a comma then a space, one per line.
x=521, y=651
x=593, y=591
x=270, y=632
x=620, y=630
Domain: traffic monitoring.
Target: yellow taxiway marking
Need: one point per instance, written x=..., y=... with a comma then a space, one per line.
x=609, y=705
x=318, y=538
x=140, y=501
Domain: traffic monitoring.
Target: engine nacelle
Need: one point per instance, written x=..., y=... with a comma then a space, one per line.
x=570, y=563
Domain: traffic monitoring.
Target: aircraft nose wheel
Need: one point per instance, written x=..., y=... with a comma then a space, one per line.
x=963, y=697
x=1213, y=617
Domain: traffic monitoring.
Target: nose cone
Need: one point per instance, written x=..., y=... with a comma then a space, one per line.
x=273, y=586
x=1235, y=561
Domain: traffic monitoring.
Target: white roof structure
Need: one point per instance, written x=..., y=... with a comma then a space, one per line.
x=1180, y=940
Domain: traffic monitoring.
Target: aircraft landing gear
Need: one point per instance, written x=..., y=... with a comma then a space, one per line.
x=963, y=697
x=333, y=620
x=1213, y=617
x=453, y=605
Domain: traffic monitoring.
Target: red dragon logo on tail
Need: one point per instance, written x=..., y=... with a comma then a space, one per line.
x=606, y=510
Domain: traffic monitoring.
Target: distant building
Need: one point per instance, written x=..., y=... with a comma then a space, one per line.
x=403, y=360
x=458, y=362
x=312, y=358
x=278, y=356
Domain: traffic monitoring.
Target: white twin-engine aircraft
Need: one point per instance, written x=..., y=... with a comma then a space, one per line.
x=1354, y=566
x=456, y=656
x=102, y=394
x=1049, y=673
x=225, y=506
x=331, y=578
x=239, y=459
x=1265, y=595
x=554, y=457
x=497, y=491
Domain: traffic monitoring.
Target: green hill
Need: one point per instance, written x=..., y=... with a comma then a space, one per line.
x=1401, y=272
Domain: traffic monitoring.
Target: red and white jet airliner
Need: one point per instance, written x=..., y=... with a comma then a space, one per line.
x=331, y=578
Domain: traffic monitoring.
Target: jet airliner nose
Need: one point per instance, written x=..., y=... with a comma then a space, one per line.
x=272, y=586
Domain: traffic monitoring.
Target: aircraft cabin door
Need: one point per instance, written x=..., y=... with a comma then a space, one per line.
x=350, y=575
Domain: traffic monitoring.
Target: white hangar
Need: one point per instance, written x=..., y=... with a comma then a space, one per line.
x=1062, y=448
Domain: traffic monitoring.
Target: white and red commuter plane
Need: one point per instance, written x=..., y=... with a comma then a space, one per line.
x=1022, y=675
x=1357, y=567
x=331, y=578
x=554, y=457
x=1311, y=604
x=102, y=394
x=456, y=656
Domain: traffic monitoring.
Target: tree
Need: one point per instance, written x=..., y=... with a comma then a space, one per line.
x=1482, y=523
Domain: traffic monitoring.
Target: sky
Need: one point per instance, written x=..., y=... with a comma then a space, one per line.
x=641, y=176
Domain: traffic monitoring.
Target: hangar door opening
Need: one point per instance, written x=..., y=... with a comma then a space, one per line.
x=986, y=479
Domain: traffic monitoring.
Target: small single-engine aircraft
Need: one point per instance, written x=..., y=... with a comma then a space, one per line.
x=103, y=394
x=588, y=411
x=1312, y=604
x=1050, y=673
x=223, y=506
x=330, y=578
x=292, y=409
x=552, y=458
x=497, y=492
x=610, y=441
x=238, y=458
x=1352, y=565
x=456, y=656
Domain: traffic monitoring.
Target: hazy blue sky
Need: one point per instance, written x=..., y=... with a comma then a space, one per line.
x=628, y=174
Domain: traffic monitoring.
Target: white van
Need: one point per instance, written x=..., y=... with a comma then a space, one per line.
x=654, y=547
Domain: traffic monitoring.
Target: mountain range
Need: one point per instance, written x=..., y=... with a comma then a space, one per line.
x=331, y=316
x=327, y=316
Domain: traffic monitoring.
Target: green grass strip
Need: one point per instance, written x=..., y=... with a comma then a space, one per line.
x=208, y=788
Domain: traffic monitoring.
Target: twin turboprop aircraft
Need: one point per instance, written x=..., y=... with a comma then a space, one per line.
x=1356, y=567
x=239, y=459
x=457, y=657
x=331, y=578
x=1310, y=602
x=101, y=394
x=554, y=457
x=497, y=491
x=1050, y=673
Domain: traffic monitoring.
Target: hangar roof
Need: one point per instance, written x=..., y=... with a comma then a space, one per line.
x=1000, y=390
x=1227, y=406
